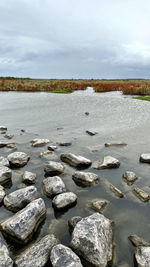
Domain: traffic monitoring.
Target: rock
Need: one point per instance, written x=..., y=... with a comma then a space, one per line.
x=107, y=162
x=95, y=148
x=64, y=200
x=138, y=241
x=20, y=186
x=99, y=204
x=29, y=177
x=4, y=143
x=3, y=132
x=12, y=146
x=3, y=128
x=22, y=130
x=64, y=143
x=115, y=144
x=53, y=168
x=75, y=161
x=18, y=199
x=91, y=132
x=5, y=260
x=45, y=154
x=143, y=196
x=2, y=193
x=113, y=189
x=52, y=148
x=4, y=161
x=5, y=174
x=18, y=159
x=53, y=186
x=85, y=178
x=9, y=136
x=38, y=254
x=37, y=142
x=73, y=221
x=64, y=256
x=145, y=158
x=21, y=226
x=87, y=113
x=60, y=128
x=92, y=240
x=129, y=177
x=142, y=256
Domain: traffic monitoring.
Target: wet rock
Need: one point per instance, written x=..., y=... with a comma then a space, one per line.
x=64, y=200
x=21, y=226
x=142, y=256
x=2, y=193
x=87, y=113
x=38, y=254
x=29, y=177
x=4, y=143
x=3, y=132
x=142, y=195
x=113, y=189
x=53, y=168
x=64, y=143
x=5, y=260
x=18, y=159
x=23, y=130
x=37, y=142
x=9, y=136
x=129, y=177
x=53, y=186
x=138, y=241
x=3, y=128
x=5, y=174
x=52, y=148
x=45, y=154
x=99, y=204
x=18, y=199
x=75, y=161
x=64, y=256
x=91, y=132
x=11, y=146
x=95, y=148
x=92, y=240
x=107, y=162
x=73, y=221
x=4, y=161
x=85, y=178
x=145, y=158
x=115, y=144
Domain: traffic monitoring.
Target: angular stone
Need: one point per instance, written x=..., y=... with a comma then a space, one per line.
x=53, y=186
x=37, y=142
x=73, y=221
x=75, y=161
x=64, y=256
x=145, y=158
x=85, y=178
x=52, y=148
x=2, y=193
x=4, y=161
x=138, y=241
x=64, y=143
x=5, y=260
x=92, y=240
x=53, y=168
x=91, y=132
x=4, y=143
x=64, y=200
x=18, y=159
x=21, y=226
x=129, y=177
x=18, y=199
x=99, y=204
x=115, y=144
x=38, y=254
x=29, y=177
x=143, y=196
x=5, y=174
x=142, y=256
x=107, y=162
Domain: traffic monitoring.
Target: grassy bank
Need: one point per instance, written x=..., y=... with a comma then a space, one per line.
x=127, y=86
x=146, y=98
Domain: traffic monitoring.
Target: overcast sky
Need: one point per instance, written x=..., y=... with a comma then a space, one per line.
x=75, y=38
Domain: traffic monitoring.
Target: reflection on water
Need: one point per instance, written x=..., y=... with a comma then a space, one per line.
x=114, y=117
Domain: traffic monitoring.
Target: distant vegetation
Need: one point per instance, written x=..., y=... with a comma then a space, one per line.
x=127, y=86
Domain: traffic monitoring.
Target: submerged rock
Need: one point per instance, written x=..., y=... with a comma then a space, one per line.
x=142, y=195
x=20, y=198
x=142, y=256
x=64, y=143
x=53, y=186
x=21, y=226
x=2, y=193
x=73, y=221
x=4, y=161
x=52, y=148
x=5, y=174
x=85, y=178
x=11, y=146
x=92, y=240
x=37, y=142
x=99, y=204
x=54, y=168
x=75, y=161
x=91, y=132
x=138, y=241
x=145, y=158
x=95, y=148
x=129, y=177
x=64, y=256
x=38, y=254
x=117, y=192
x=29, y=177
x=5, y=260
x=115, y=144
x=107, y=162
x=64, y=200
x=18, y=159
x=9, y=136
x=45, y=154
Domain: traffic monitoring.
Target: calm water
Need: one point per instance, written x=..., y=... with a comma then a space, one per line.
x=114, y=117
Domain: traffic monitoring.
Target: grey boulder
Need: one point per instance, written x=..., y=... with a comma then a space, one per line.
x=85, y=178
x=18, y=159
x=64, y=200
x=107, y=162
x=142, y=256
x=92, y=240
x=53, y=186
x=145, y=158
x=138, y=241
x=5, y=174
x=29, y=177
x=5, y=260
x=37, y=142
x=64, y=256
x=2, y=193
x=53, y=168
x=3, y=128
x=21, y=226
x=4, y=161
x=18, y=199
x=75, y=161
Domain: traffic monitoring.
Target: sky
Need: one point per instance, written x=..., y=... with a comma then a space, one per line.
x=75, y=38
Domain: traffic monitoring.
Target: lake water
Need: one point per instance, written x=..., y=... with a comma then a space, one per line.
x=116, y=118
